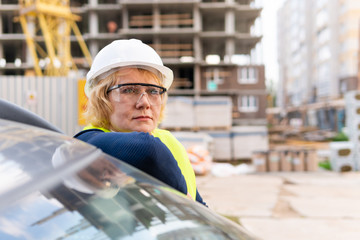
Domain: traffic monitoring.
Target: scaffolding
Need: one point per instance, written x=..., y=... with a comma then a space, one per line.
x=47, y=25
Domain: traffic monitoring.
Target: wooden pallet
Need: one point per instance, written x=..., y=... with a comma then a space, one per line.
x=198, y=129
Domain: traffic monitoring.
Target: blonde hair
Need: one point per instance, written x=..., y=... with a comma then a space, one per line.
x=99, y=107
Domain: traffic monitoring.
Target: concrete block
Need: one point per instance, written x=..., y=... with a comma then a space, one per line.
x=179, y=113
x=247, y=139
x=222, y=145
x=342, y=156
x=213, y=112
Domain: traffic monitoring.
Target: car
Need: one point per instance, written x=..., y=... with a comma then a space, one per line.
x=56, y=187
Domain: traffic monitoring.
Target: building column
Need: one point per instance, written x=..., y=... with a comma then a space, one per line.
x=125, y=19
x=197, y=80
x=229, y=49
x=93, y=3
x=93, y=28
x=31, y=28
x=93, y=19
x=197, y=19
x=197, y=46
x=93, y=24
x=156, y=18
x=230, y=22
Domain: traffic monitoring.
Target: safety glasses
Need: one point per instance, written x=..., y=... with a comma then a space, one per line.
x=133, y=92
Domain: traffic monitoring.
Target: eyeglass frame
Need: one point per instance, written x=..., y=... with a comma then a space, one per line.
x=163, y=90
x=133, y=84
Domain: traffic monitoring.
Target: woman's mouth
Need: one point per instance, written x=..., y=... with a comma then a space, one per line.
x=142, y=118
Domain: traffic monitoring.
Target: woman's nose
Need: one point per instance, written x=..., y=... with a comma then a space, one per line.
x=144, y=102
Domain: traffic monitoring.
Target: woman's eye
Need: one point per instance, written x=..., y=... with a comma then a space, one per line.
x=128, y=90
x=153, y=91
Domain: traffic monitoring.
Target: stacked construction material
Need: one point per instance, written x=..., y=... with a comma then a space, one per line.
x=238, y=143
x=213, y=112
x=199, y=147
x=259, y=160
x=190, y=139
x=205, y=113
x=273, y=161
x=247, y=139
x=342, y=156
x=179, y=113
x=222, y=145
x=352, y=108
x=285, y=160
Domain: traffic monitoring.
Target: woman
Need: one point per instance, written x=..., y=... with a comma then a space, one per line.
x=126, y=87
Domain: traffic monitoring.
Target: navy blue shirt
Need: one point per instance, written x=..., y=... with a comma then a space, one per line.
x=140, y=150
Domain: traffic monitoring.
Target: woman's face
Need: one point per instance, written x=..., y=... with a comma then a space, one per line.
x=133, y=113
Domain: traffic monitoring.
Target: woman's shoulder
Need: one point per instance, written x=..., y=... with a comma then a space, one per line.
x=99, y=133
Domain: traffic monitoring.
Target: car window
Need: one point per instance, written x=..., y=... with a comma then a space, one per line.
x=56, y=187
x=37, y=217
x=136, y=212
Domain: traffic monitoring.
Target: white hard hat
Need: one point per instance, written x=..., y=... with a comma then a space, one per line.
x=123, y=53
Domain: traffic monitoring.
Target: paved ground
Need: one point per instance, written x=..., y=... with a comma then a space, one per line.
x=289, y=206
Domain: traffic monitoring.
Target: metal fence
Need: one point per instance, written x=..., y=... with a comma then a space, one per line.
x=53, y=98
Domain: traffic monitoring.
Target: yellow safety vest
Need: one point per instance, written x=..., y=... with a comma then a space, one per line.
x=179, y=153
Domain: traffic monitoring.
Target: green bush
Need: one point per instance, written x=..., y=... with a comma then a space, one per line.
x=325, y=165
x=340, y=137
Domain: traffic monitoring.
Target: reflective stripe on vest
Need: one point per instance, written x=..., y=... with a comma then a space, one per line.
x=177, y=150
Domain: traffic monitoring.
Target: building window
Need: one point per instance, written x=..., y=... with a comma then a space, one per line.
x=323, y=35
x=324, y=53
x=320, y=4
x=247, y=75
x=322, y=18
x=248, y=103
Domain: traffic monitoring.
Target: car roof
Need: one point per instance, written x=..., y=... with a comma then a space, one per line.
x=25, y=158
x=13, y=112
x=138, y=207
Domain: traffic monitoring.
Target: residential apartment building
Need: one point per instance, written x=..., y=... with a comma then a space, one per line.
x=213, y=46
x=318, y=57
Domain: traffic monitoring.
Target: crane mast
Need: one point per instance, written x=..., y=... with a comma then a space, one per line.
x=47, y=25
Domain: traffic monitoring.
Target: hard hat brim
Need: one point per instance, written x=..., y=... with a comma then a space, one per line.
x=94, y=77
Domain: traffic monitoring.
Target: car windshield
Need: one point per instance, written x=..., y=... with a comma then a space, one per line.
x=56, y=187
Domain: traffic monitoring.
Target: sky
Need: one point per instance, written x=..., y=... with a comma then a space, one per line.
x=269, y=30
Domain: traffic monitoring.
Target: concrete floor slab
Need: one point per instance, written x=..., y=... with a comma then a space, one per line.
x=300, y=229
x=320, y=207
x=326, y=191
x=321, y=178
x=292, y=205
x=231, y=195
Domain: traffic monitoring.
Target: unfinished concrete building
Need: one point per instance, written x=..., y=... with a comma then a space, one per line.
x=211, y=45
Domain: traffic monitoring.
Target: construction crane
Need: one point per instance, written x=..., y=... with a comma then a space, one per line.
x=47, y=25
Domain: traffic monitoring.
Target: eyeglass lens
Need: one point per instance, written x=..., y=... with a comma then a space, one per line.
x=133, y=93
